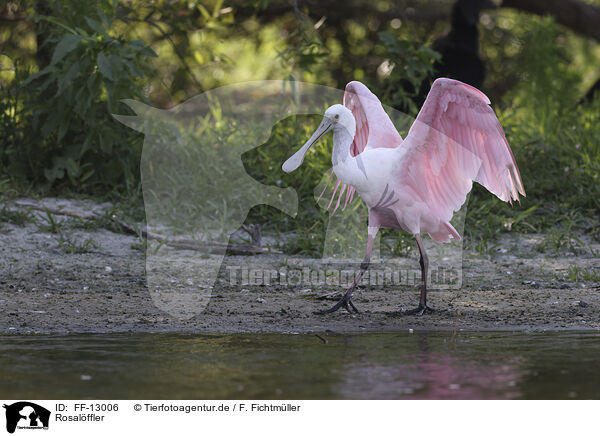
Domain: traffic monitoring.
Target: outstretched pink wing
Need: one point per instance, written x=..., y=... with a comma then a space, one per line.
x=374, y=129
x=456, y=139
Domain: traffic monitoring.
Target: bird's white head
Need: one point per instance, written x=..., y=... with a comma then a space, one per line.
x=341, y=118
x=337, y=118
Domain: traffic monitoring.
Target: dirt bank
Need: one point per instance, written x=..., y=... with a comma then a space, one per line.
x=93, y=280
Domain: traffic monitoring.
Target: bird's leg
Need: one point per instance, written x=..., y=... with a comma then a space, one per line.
x=345, y=301
x=424, y=262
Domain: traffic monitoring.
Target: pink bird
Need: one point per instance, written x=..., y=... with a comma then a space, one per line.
x=417, y=184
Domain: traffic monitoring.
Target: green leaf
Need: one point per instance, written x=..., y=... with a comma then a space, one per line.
x=54, y=174
x=58, y=22
x=72, y=168
x=132, y=68
x=40, y=73
x=138, y=43
x=63, y=125
x=67, y=78
x=105, y=66
x=50, y=124
x=148, y=51
x=217, y=7
x=86, y=175
x=203, y=11
x=94, y=25
x=64, y=47
x=86, y=145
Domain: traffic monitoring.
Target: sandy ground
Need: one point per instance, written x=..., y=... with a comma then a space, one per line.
x=44, y=289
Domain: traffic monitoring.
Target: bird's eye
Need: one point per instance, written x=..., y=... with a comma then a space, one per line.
x=337, y=116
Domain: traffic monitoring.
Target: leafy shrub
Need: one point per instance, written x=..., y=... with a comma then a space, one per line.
x=555, y=141
x=411, y=65
x=70, y=137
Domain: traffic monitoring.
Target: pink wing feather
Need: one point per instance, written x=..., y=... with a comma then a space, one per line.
x=456, y=139
x=374, y=129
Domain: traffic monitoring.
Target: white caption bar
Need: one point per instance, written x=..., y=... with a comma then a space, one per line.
x=291, y=417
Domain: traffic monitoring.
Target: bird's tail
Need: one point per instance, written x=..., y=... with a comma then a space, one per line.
x=445, y=233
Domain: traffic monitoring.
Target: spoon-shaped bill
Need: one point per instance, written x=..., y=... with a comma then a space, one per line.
x=297, y=158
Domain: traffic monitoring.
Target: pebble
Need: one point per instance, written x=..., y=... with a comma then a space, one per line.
x=411, y=331
x=260, y=300
x=107, y=269
x=86, y=377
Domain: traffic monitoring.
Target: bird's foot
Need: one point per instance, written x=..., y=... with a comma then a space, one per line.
x=344, y=302
x=419, y=311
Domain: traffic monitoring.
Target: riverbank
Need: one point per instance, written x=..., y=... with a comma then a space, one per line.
x=89, y=279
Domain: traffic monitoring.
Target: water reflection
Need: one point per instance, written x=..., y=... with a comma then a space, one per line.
x=439, y=365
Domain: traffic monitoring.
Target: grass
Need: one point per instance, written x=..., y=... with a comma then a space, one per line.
x=72, y=246
x=12, y=270
x=562, y=239
x=18, y=217
x=51, y=224
x=578, y=274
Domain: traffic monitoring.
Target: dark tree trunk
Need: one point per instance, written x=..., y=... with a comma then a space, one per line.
x=44, y=51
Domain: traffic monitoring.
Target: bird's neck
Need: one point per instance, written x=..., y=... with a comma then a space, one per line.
x=344, y=164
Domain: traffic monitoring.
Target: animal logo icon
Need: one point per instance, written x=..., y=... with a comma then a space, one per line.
x=195, y=186
x=27, y=415
x=197, y=190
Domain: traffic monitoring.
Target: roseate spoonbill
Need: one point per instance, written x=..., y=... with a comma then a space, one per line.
x=417, y=184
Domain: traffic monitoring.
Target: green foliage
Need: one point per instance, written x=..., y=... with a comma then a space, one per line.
x=51, y=224
x=17, y=217
x=71, y=138
x=12, y=115
x=577, y=274
x=410, y=66
x=305, y=48
x=71, y=246
x=57, y=132
x=555, y=142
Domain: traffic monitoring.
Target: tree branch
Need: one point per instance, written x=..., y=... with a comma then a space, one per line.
x=581, y=17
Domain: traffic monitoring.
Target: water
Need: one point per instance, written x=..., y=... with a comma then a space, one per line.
x=271, y=366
